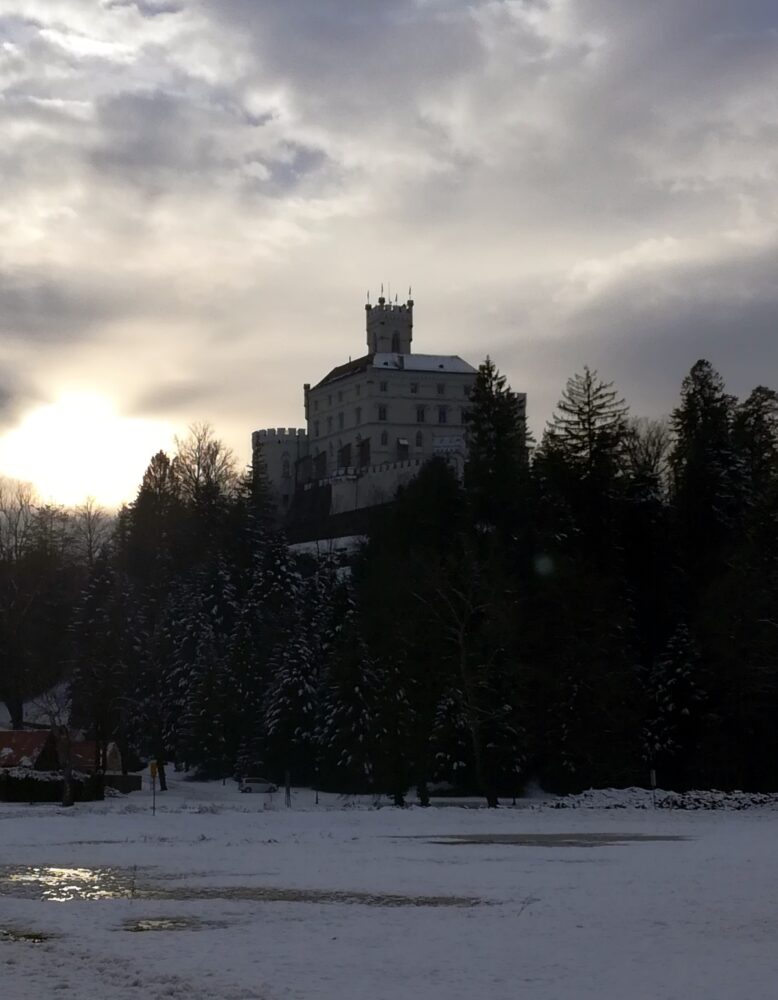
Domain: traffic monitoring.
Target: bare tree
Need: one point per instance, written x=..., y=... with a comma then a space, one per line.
x=647, y=448
x=17, y=511
x=54, y=706
x=204, y=466
x=91, y=528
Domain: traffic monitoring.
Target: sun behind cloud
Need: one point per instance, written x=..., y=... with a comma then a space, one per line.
x=80, y=446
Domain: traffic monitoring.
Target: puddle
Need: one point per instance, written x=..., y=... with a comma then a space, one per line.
x=164, y=924
x=64, y=884
x=552, y=839
x=14, y=934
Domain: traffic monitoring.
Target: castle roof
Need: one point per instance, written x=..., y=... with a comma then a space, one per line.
x=400, y=362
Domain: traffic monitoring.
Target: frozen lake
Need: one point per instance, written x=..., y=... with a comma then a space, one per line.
x=226, y=896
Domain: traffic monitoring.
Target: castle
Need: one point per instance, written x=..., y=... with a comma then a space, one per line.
x=371, y=423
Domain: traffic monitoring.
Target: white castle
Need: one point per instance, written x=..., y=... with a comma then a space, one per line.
x=373, y=422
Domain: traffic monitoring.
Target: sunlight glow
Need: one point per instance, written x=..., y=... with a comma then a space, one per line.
x=79, y=447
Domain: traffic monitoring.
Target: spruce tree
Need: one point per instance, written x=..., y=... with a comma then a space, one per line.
x=497, y=451
x=706, y=476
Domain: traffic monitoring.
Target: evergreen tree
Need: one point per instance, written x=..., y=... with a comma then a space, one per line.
x=98, y=682
x=588, y=428
x=496, y=448
x=676, y=696
x=705, y=476
x=292, y=707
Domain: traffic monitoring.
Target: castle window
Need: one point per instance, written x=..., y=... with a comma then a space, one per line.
x=358, y=415
x=329, y=400
x=442, y=416
x=382, y=413
x=441, y=387
x=340, y=421
x=384, y=438
x=316, y=404
x=383, y=386
x=329, y=425
x=316, y=428
x=419, y=439
x=340, y=396
x=420, y=415
x=359, y=390
x=286, y=469
x=395, y=343
x=414, y=387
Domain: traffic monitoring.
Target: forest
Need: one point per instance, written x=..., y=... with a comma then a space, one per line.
x=578, y=611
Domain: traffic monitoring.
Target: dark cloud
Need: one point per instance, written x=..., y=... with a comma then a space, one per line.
x=36, y=307
x=166, y=398
x=563, y=183
x=147, y=8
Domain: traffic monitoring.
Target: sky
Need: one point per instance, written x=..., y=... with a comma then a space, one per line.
x=198, y=194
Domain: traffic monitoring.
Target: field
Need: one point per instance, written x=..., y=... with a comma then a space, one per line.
x=226, y=896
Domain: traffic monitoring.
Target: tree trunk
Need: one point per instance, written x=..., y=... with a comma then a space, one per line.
x=487, y=790
x=161, y=774
x=15, y=708
x=65, y=762
x=423, y=792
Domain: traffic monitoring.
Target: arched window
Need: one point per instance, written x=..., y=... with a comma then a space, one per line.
x=285, y=468
x=395, y=343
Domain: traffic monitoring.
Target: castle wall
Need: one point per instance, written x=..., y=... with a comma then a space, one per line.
x=280, y=448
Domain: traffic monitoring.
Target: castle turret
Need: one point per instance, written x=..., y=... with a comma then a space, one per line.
x=389, y=327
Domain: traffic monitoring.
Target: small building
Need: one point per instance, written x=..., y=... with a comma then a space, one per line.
x=36, y=749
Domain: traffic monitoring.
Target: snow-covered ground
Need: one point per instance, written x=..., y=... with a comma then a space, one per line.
x=561, y=914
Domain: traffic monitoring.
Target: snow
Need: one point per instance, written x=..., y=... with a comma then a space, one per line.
x=423, y=363
x=606, y=918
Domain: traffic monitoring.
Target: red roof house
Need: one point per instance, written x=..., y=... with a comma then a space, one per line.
x=35, y=749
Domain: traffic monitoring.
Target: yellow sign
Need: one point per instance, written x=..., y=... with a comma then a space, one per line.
x=153, y=768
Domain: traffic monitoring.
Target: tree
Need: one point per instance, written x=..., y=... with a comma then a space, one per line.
x=705, y=481
x=39, y=582
x=676, y=695
x=589, y=427
x=204, y=467
x=98, y=682
x=497, y=451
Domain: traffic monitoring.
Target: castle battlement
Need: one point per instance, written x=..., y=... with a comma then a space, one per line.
x=280, y=433
x=389, y=326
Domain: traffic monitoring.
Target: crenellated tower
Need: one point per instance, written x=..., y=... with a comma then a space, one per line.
x=389, y=327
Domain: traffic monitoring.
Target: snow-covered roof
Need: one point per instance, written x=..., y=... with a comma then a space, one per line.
x=424, y=363
x=399, y=362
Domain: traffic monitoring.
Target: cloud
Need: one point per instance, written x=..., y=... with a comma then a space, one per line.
x=197, y=195
x=147, y=8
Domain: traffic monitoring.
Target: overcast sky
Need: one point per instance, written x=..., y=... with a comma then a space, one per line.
x=197, y=194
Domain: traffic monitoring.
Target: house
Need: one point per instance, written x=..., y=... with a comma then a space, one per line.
x=34, y=749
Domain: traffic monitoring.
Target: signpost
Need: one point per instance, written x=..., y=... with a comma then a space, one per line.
x=153, y=773
x=653, y=786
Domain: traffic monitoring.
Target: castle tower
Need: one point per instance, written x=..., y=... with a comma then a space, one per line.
x=389, y=327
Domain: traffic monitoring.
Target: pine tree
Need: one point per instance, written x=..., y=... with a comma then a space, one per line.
x=676, y=695
x=496, y=448
x=706, y=476
x=292, y=707
x=589, y=426
x=98, y=682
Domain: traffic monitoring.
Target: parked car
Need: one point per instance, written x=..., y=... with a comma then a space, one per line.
x=253, y=784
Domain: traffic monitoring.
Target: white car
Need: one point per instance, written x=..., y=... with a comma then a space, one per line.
x=256, y=785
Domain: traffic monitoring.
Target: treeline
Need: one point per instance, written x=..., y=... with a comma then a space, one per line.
x=578, y=611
